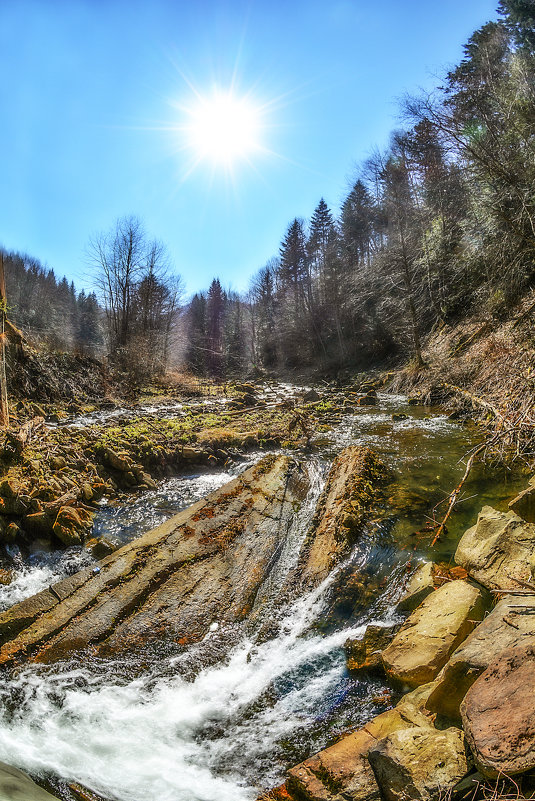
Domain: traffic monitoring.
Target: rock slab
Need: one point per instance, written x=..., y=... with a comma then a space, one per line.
x=205, y=564
x=351, y=486
x=432, y=632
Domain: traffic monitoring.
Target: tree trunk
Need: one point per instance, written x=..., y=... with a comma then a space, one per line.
x=4, y=408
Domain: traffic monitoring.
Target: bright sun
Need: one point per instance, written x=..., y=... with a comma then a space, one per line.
x=223, y=128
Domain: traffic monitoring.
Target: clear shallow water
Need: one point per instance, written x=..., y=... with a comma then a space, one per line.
x=178, y=731
x=125, y=522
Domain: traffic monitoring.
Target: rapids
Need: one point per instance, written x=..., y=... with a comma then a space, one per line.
x=222, y=720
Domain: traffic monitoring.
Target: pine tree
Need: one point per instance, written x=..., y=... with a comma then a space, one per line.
x=215, y=314
x=197, y=344
x=519, y=17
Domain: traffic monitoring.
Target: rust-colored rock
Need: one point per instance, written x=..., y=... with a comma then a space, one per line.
x=498, y=714
x=70, y=525
x=203, y=565
x=343, y=771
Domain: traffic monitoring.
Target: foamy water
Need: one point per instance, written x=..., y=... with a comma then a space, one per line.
x=163, y=738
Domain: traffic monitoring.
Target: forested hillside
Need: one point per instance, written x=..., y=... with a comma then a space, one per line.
x=51, y=311
x=439, y=226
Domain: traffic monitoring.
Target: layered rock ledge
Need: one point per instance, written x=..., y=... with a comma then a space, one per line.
x=203, y=565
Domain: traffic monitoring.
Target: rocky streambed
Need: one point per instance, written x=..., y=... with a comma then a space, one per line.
x=204, y=658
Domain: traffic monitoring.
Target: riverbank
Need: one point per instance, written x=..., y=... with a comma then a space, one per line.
x=465, y=730
x=233, y=721
x=481, y=366
x=58, y=465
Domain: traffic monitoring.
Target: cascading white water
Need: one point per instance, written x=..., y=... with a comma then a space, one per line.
x=152, y=739
x=218, y=733
x=165, y=737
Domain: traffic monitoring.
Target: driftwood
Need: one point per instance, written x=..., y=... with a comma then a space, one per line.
x=456, y=492
x=475, y=400
x=16, y=441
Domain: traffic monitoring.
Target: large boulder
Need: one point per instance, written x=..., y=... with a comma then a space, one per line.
x=16, y=786
x=511, y=623
x=204, y=565
x=343, y=771
x=498, y=550
x=419, y=763
x=433, y=631
x=498, y=714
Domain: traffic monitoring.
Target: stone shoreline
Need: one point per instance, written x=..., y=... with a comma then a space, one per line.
x=466, y=652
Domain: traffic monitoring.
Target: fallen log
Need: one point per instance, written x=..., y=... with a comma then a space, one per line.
x=16, y=441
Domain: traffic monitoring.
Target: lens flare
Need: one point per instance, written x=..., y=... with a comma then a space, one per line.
x=223, y=128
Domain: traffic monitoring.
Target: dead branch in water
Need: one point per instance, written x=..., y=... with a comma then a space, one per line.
x=513, y=436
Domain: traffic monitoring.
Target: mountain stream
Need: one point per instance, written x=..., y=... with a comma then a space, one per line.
x=222, y=720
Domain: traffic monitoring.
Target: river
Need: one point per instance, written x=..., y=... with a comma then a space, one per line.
x=222, y=720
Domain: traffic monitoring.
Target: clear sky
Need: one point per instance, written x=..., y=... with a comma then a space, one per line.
x=98, y=99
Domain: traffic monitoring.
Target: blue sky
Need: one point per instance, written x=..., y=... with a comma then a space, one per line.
x=93, y=93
